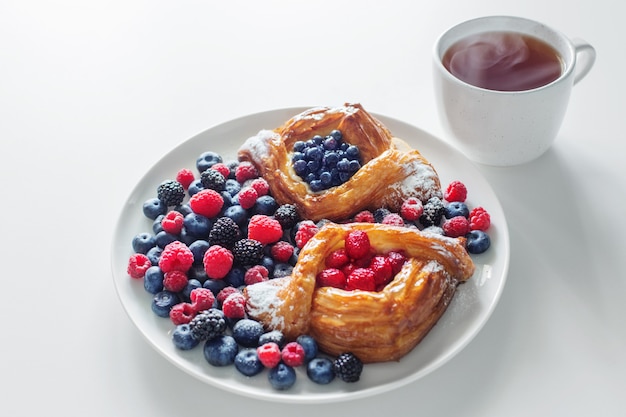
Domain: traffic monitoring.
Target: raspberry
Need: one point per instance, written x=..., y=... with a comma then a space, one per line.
x=261, y=186
x=337, y=258
x=293, y=354
x=201, y=299
x=331, y=277
x=234, y=306
x=255, y=274
x=411, y=209
x=248, y=252
x=176, y=256
x=383, y=270
x=393, y=219
x=207, y=203
x=185, y=177
x=287, y=216
x=348, y=367
x=364, y=216
x=182, y=313
x=479, y=219
x=217, y=262
x=245, y=171
x=172, y=222
x=348, y=268
x=224, y=293
x=175, y=280
x=138, y=264
x=264, y=229
x=456, y=191
x=281, y=251
x=357, y=244
x=269, y=354
x=222, y=168
x=213, y=180
x=225, y=232
x=456, y=226
x=171, y=192
x=397, y=260
x=306, y=230
x=361, y=279
x=247, y=197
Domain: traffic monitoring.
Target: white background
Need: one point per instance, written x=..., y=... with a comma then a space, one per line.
x=92, y=94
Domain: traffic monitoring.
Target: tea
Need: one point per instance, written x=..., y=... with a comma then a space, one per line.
x=503, y=61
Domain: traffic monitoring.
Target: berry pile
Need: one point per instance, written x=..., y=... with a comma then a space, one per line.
x=325, y=162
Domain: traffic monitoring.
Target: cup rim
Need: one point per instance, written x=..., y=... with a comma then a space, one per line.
x=568, y=66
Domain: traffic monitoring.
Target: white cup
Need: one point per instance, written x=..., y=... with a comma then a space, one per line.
x=507, y=128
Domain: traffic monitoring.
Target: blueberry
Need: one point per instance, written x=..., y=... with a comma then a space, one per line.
x=192, y=284
x=195, y=187
x=186, y=238
x=215, y=285
x=336, y=134
x=247, y=332
x=352, y=152
x=237, y=213
x=314, y=154
x=300, y=167
x=198, y=272
x=154, y=207
x=297, y=156
x=316, y=185
x=181, y=336
x=326, y=178
x=313, y=165
x=153, y=280
x=320, y=370
x=477, y=241
x=299, y=146
x=265, y=205
x=343, y=165
x=268, y=263
x=354, y=166
x=197, y=225
x=232, y=186
x=456, y=208
x=163, y=301
x=274, y=336
x=235, y=277
x=317, y=139
x=143, y=242
x=310, y=346
x=282, y=377
x=156, y=224
x=206, y=160
x=330, y=143
x=154, y=255
x=330, y=159
x=221, y=351
x=164, y=238
x=282, y=270
x=198, y=249
x=247, y=362
x=183, y=209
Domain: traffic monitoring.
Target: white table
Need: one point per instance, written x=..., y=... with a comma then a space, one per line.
x=92, y=94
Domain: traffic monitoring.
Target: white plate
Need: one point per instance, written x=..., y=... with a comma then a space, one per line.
x=470, y=309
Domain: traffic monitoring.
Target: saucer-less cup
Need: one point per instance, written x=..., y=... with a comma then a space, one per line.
x=507, y=128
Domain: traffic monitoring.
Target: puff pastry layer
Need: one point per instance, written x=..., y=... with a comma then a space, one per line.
x=376, y=326
x=390, y=172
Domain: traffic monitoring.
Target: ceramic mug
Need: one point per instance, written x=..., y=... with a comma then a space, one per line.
x=505, y=128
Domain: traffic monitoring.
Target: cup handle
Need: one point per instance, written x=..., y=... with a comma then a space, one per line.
x=585, y=58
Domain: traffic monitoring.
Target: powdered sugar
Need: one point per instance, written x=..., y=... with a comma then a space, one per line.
x=264, y=301
x=258, y=145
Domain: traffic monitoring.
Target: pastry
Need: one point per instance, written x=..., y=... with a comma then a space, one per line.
x=390, y=170
x=375, y=325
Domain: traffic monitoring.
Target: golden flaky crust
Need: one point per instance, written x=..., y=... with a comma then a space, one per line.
x=390, y=173
x=376, y=326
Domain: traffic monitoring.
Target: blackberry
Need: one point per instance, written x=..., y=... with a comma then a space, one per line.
x=225, y=232
x=348, y=367
x=287, y=215
x=247, y=252
x=208, y=324
x=171, y=193
x=212, y=179
x=434, y=210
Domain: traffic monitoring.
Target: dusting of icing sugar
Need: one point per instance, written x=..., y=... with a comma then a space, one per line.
x=263, y=301
x=259, y=144
x=318, y=113
x=420, y=178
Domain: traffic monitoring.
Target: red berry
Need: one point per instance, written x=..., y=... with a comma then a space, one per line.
x=397, y=260
x=255, y=274
x=411, y=209
x=175, y=280
x=364, y=216
x=247, y=197
x=201, y=299
x=207, y=203
x=245, y=171
x=393, y=219
x=383, y=270
x=234, y=306
x=172, y=222
x=224, y=293
x=337, y=258
x=138, y=264
x=479, y=219
x=182, y=313
x=222, y=168
x=269, y=354
x=357, y=244
x=331, y=277
x=456, y=191
x=185, y=177
x=361, y=279
x=456, y=226
x=217, y=262
x=282, y=251
x=348, y=268
x=260, y=185
x=293, y=354
x=264, y=229
x=306, y=230
x=176, y=256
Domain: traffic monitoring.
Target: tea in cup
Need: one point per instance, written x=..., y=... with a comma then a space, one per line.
x=503, y=84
